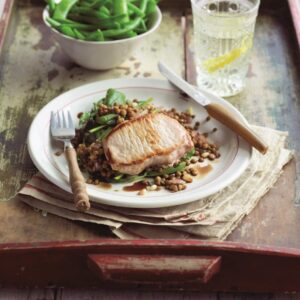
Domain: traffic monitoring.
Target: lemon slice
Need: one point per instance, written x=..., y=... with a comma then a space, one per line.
x=214, y=64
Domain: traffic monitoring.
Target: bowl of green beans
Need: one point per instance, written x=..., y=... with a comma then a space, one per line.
x=101, y=34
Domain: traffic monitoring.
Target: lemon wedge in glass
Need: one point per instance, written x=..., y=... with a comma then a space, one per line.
x=214, y=64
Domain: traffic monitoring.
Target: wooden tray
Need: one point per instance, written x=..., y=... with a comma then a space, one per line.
x=262, y=254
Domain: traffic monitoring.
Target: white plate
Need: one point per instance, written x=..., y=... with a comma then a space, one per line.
x=235, y=152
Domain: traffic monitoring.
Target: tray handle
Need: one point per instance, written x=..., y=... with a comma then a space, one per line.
x=163, y=269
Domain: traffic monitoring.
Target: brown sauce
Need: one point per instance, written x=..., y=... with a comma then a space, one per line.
x=105, y=185
x=137, y=186
x=202, y=171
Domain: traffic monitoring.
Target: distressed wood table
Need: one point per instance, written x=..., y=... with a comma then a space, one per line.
x=33, y=70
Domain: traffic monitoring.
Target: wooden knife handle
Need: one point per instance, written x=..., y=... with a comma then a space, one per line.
x=77, y=181
x=221, y=114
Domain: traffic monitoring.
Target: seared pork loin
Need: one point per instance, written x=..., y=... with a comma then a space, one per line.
x=149, y=140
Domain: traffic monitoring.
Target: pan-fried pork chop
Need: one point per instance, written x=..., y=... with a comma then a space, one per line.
x=149, y=140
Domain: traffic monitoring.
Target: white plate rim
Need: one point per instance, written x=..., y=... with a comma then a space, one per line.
x=118, y=200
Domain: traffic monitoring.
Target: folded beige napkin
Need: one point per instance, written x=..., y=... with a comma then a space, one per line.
x=211, y=218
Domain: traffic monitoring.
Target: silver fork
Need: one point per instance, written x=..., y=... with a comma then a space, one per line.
x=63, y=129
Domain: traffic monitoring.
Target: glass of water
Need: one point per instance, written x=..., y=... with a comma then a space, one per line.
x=223, y=37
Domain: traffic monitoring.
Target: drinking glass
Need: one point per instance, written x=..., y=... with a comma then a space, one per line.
x=223, y=37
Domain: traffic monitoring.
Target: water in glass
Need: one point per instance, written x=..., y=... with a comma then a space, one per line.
x=223, y=37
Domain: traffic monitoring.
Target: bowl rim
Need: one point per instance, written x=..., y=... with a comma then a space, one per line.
x=154, y=27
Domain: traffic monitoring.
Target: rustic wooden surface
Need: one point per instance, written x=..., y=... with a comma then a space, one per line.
x=33, y=70
x=30, y=78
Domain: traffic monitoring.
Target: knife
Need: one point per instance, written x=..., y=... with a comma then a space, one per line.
x=215, y=110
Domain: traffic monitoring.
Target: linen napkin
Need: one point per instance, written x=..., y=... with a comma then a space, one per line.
x=212, y=218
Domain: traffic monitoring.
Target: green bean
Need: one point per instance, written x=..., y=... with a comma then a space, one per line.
x=127, y=35
x=79, y=34
x=107, y=23
x=120, y=8
x=98, y=3
x=52, y=5
x=145, y=102
x=100, y=20
x=127, y=179
x=189, y=154
x=93, y=130
x=118, y=177
x=167, y=171
x=101, y=135
x=103, y=9
x=151, y=7
x=143, y=5
x=87, y=11
x=142, y=27
x=52, y=22
x=119, y=32
x=135, y=10
x=95, y=36
x=106, y=119
x=92, y=3
x=76, y=25
x=62, y=8
x=84, y=118
x=67, y=30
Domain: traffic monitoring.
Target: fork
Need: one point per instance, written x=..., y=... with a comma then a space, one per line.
x=63, y=129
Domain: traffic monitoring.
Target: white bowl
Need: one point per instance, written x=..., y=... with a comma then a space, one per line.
x=101, y=55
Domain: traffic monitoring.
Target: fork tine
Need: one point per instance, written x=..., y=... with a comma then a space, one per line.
x=53, y=120
x=64, y=120
x=58, y=119
x=71, y=124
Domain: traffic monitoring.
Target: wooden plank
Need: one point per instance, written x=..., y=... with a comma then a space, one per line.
x=270, y=99
x=5, y=13
x=28, y=294
x=275, y=220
